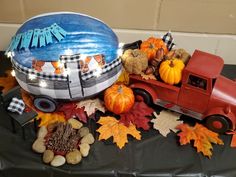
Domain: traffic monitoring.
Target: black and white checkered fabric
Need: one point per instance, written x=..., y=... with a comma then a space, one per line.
x=41, y=75
x=105, y=69
x=16, y=105
x=169, y=40
x=70, y=58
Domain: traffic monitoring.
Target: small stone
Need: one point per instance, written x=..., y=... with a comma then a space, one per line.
x=42, y=132
x=58, y=160
x=73, y=157
x=39, y=146
x=89, y=139
x=84, y=149
x=75, y=123
x=48, y=156
x=83, y=131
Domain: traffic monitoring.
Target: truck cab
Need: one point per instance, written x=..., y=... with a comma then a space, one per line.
x=203, y=93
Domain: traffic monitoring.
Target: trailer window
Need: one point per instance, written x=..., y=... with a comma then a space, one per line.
x=197, y=82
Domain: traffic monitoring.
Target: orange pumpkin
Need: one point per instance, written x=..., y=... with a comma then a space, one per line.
x=119, y=98
x=151, y=45
x=171, y=71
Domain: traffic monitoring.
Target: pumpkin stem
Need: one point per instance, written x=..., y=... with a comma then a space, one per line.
x=120, y=89
x=171, y=63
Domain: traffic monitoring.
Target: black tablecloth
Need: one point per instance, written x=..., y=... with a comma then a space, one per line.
x=154, y=155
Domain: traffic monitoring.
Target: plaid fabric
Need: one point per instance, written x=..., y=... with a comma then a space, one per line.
x=16, y=105
x=169, y=40
x=41, y=75
x=70, y=58
x=105, y=69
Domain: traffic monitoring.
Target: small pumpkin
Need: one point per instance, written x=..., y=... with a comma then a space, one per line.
x=151, y=45
x=171, y=71
x=134, y=61
x=119, y=98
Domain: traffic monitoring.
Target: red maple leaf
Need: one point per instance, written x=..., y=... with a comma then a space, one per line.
x=71, y=110
x=137, y=116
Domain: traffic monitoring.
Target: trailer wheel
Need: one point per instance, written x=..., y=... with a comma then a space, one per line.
x=142, y=95
x=218, y=123
x=45, y=104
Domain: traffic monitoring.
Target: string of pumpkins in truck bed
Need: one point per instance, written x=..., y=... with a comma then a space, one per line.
x=152, y=59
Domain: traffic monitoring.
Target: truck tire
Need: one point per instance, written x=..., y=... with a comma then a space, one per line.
x=218, y=123
x=142, y=95
x=45, y=104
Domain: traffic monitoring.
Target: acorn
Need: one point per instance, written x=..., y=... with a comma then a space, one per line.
x=150, y=70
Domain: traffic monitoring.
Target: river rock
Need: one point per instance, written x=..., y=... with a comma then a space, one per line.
x=58, y=160
x=48, y=156
x=39, y=146
x=73, y=157
x=42, y=132
x=75, y=123
x=84, y=149
x=83, y=131
x=89, y=139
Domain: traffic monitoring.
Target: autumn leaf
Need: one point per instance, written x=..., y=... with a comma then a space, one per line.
x=166, y=121
x=148, y=76
x=123, y=78
x=7, y=82
x=28, y=99
x=71, y=110
x=137, y=116
x=202, y=137
x=110, y=127
x=91, y=105
x=233, y=140
x=49, y=118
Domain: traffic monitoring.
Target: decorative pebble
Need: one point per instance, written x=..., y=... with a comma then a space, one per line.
x=38, y=145
x=83, y=131
x=89, y=139
x=73, y=157
x=75, y=123
x=84, y=149
x=42, y=132
x=58, y=160
x=48, y=156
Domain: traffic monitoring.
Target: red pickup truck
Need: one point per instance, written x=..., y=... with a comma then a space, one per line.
x=203, y=93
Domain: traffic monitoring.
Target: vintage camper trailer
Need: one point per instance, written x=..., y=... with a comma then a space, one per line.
x=64, y=56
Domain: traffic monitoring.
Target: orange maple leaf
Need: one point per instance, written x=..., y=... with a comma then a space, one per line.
x=7, y=81
x=28, y=99
x=202, y=137
x=112, y=127
x=49, y=118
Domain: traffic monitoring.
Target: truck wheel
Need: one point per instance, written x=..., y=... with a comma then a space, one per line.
x=45, y=104
x=218, y=124
x=142, y=95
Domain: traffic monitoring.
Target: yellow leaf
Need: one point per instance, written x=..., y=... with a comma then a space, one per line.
x=123, y=78
x=49, y=118
x=112, y=127
x=7, y=82
x=202, y=137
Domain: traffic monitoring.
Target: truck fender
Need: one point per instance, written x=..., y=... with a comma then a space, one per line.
x=147, y=88
x=223, y=111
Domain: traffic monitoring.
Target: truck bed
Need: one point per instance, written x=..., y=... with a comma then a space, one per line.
x=165, y=92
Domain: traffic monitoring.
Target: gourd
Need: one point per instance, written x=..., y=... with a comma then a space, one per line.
x=171, y=71
x=151, y=45
x=119, y=98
